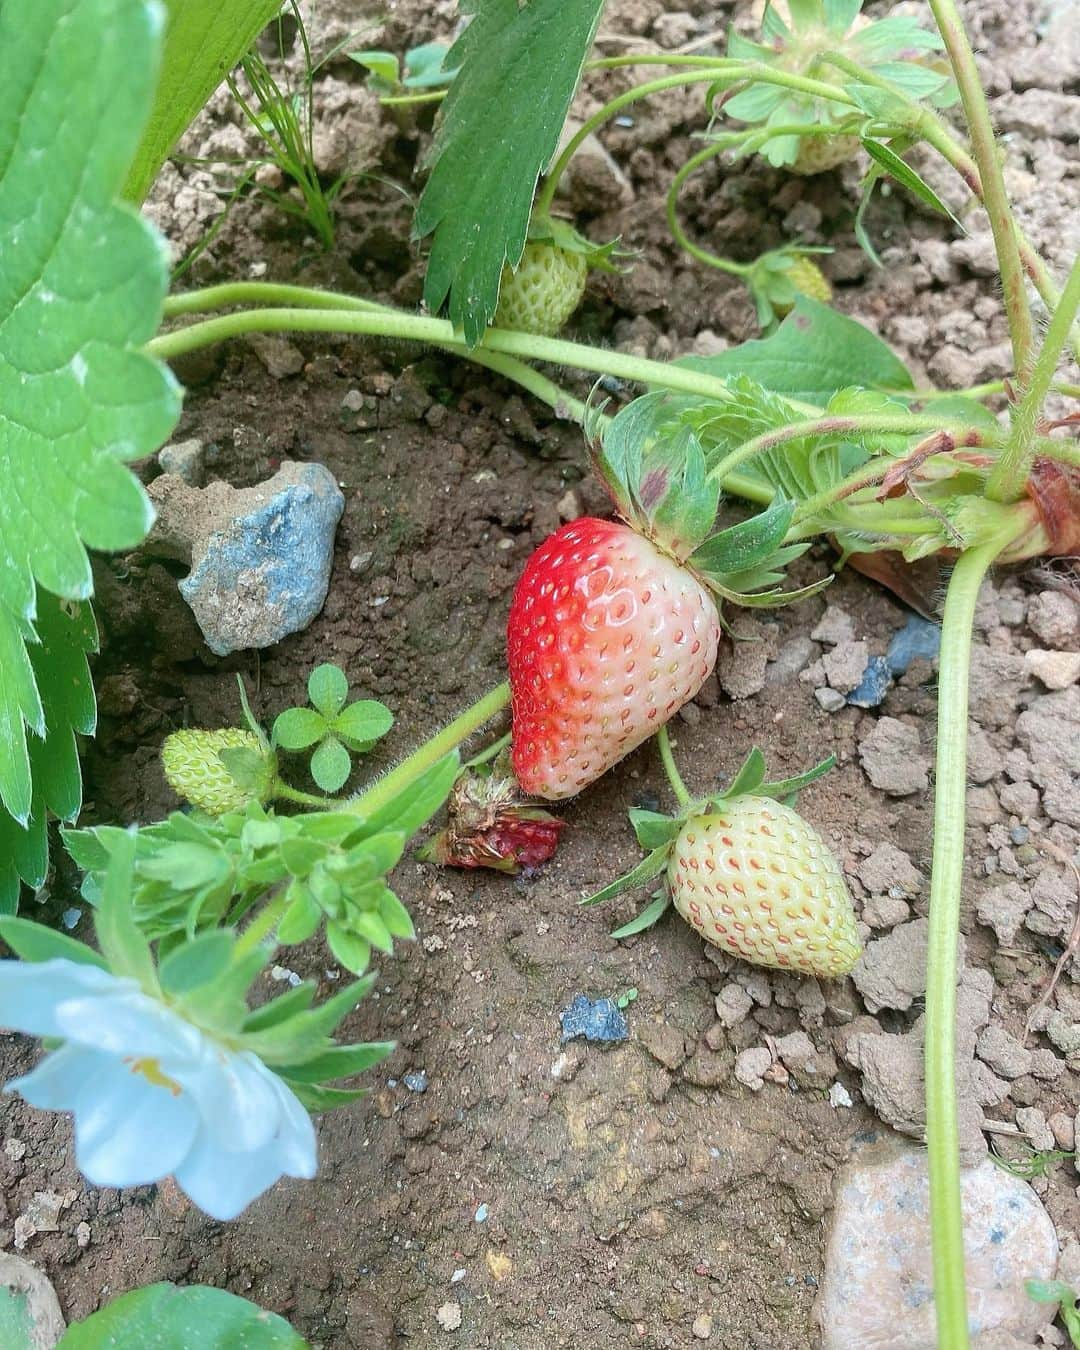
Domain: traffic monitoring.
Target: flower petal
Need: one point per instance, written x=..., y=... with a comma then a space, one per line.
x=55, y=1082
x=224, y=1183
x=126, y=1021
x=130, y=1130
x=32, y=992
x=239, y=1107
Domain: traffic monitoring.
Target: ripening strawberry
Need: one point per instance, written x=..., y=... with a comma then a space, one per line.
x=544, y=290
x=608, y=637
x=808, y=279
x=758, y=881
x=819, y=154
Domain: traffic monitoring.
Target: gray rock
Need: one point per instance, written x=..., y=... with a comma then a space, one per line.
x=892, y=757
x=593, y=180
x=983, y=760
x=28, y=1304
x=740, y=667
x=835, y=625
x=752, y=1065
x=830, y=700
x=1004, y=1053
x=185, y=459
x=996, y=680
x=885, y=911
x=1061, y=799
x=733, y=1005
x=877, y=1288
x=1054, y=618
x=260, y=557
x=280, y=357
x=889, y=869
x=1040, y=114
x=844, y=665
x=793, y=656
x=1034, y=1124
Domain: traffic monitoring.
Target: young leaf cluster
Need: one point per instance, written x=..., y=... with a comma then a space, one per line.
x=332, y=726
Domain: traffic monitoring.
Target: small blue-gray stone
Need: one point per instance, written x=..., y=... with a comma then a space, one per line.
x=919, y=639
x=597, y=1020
x=259, y=576
x=874, y=685
x=416, y=1082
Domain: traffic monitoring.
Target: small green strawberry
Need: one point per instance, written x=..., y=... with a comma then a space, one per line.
x=819, y=154
x=750, y=874
x=777, y=278
x=808, y=279
x=543, y=291
x=218, y=771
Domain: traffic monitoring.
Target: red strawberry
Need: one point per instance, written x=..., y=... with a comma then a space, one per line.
x=608, y=637
x=758, y=881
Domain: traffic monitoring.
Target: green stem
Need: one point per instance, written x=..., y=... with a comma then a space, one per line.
x=1009, y=479
x=439, y=332
x=604, y=114
x=490, y=752
x=942, y=1135
x=682, y=796
x=679, y=234
x=900, y=423
x=263, y=925
x=429, y=754
x=282, y=792
x=985, y=148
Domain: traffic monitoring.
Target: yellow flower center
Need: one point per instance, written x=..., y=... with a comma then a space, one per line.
x=151, y=1071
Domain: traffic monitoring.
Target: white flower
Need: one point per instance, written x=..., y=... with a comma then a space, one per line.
x=151, y=1093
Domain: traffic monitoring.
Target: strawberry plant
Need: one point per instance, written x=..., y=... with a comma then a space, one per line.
x=614, y=625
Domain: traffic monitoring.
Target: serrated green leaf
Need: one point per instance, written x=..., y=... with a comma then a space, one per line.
x=648, y=868
x=301, y=855
x=813, y=353
x=906, y=176
x=652, y=913
x=298, y=728
x=501, y=122
x=747, y=544
x=369, y=926
x=397, y=918
x=331, y=764
x=302, y=918
x=194, y=865
x=35, y=942
x=342, y=1061
x=200, y=961
x=353, y=951
x=80, y=292
x=170, y=1318
x=362, y=722
x=204, y=39
x=652, y=829
x=328, y=688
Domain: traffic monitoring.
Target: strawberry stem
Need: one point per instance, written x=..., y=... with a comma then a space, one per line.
x=682, y=795
x=398, y=780
x=942, y=1133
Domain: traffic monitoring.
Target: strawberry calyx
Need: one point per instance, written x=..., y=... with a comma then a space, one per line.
x=609, y=257
x=657, y=832
x=488, y=825
x=778, y=277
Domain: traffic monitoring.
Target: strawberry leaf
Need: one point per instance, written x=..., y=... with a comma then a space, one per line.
x=81, y=290
x=652, y=829
x=747, y=544
x=652, y=913
x=362, y=723
x=750, y=776
x=501, y=122
x=906, y=176
x=648, y=868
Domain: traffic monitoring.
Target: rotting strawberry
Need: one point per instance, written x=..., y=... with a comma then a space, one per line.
x=753, y=877
x=489, y=826
x=614, y=625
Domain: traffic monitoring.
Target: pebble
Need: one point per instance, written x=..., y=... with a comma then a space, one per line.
x=885, y=911
x=845, y=665
x=186, y=459
x=835, y=625
x=70, y=918
x=919, y=639
x=1033, y=1122
x=42, y=1321
x=353, y=401
x=878, y=1283
x=871, y=690
x=416, y=1082
x=1004, y=1053
x=793, y=656
x=888, y=870
x=702, y=1327
x=449, y=1316
x=597, y=1020
x=752, y=1065
x=1056, y=670
x=733, y=1004
x=831, y=700
x=481, y=1212
x=891, y=755
x=260, y=557
x=1003, y=909
x=839, y=1096
x=1054, y=618
x=891, y=973
x=280, y=357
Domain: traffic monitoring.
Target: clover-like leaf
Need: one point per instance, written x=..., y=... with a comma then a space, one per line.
x=299, y=728
x=81, y=291
x=330, y=764
x=328, y=688
x=362, y=723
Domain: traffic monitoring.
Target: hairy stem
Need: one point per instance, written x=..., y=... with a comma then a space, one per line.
x=682, y=795
x=420, y=761
x=282, y=792
x=942, y=1134
x=263, y=925
x=984, y=145
x=1008, y=481
x=441, y=333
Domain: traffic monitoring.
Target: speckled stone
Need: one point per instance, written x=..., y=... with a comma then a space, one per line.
x=877, y=1292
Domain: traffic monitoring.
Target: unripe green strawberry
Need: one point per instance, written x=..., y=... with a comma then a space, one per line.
x=195, y=770
x=544, y=291
x=758, y=881
x=808, y=279
x=819, y=154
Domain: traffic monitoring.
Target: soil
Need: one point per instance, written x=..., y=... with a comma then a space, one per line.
x=618, y=1196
